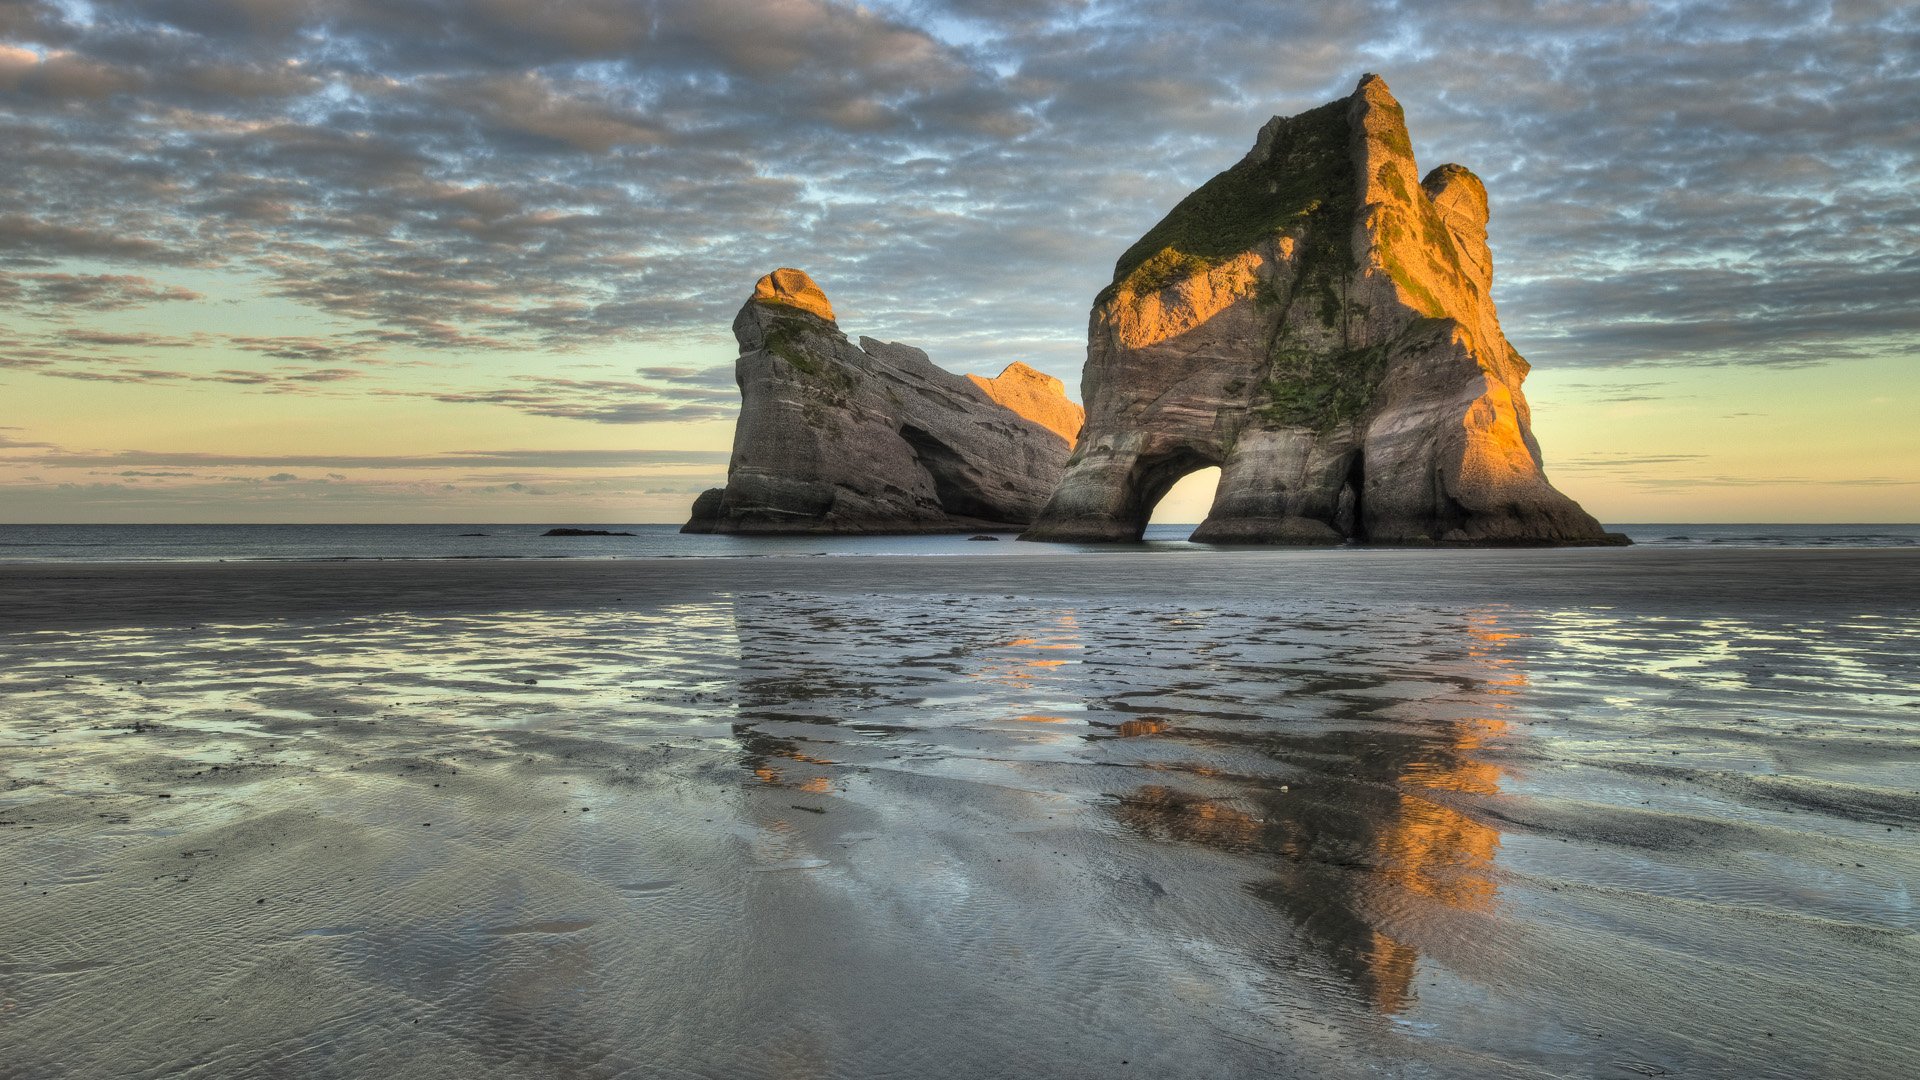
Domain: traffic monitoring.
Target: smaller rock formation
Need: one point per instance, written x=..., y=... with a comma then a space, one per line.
x=874, y=438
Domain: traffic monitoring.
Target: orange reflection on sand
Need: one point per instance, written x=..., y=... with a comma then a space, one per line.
x=1390, y=970
x=1485, y=630
x=1020, y=672
x=765, y=766
x=1434, y=850
x=1134, y=728
x=1361, y=840
x=1440, y=853
x=1045, y=719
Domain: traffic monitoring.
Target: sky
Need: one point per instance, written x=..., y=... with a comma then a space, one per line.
x=420, y=260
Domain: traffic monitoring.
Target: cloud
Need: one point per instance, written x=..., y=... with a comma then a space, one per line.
x=306, y=349
x=8, y=442
x=600, y=401
x=1616, y=393
x=129, y=340
x=62, y=295
x=454, y=459
x=717, y=377
x=25, y=237
x=1671, y=184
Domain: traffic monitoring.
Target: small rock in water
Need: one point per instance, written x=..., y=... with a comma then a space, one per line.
x=983, y=536
x=583, y=532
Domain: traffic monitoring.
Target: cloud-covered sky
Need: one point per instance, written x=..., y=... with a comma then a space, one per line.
x=430, y=231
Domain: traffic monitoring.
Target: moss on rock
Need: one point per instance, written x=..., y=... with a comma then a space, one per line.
x=1303, y=186
x=786, y=338
x=1320, y=390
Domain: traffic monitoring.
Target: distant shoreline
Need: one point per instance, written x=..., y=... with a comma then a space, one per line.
x=527, y=543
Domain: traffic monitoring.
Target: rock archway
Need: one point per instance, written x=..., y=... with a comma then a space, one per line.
x=1316, y=321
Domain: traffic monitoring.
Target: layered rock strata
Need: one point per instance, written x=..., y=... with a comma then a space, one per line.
x=835, y=437
x=1316, y=321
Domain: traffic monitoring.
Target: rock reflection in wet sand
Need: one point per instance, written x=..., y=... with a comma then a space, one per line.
x=795, y=834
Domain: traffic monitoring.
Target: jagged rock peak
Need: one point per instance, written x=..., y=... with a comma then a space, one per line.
x=835, y=437
x=1317, y=321
x=1037, y=396
x=794, y=289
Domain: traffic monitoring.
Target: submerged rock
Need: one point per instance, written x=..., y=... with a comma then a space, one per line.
x=1316, y=321
x=874, y=438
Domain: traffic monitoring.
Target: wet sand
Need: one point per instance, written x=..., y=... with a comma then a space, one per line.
x=1458, y=813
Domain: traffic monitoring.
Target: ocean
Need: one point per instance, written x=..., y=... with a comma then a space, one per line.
x=212, y=543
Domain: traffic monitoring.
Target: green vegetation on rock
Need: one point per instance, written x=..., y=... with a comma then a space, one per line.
x=1303, y=187
x=785, y=338
x=1320, y=390
x=1163, y=270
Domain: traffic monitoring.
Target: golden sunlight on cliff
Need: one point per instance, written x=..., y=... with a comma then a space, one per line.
x=1156, y=304
x=1037, y=396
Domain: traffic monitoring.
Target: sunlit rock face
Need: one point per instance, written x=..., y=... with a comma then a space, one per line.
x=1037, y=396
x=873, y=438
x=1316, y=321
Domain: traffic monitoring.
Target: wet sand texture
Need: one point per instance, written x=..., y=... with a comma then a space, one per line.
x=1320, y=814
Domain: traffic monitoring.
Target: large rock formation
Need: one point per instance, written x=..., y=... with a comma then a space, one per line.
x=838, y=438
x=1315, y=321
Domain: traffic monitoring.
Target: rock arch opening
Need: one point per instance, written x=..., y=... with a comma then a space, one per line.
x=1152, y=477
x=1349, y=513
x=1188, y=500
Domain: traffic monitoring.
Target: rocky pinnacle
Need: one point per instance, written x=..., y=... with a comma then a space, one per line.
x=1316, y=321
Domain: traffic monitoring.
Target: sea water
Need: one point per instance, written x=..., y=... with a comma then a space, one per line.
x=209, y=543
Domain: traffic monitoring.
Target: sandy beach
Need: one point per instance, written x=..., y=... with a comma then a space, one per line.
x=1529, y=813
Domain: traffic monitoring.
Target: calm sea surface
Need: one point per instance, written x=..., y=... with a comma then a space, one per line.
x=207, y=543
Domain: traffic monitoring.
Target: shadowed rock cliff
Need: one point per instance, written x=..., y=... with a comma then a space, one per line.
x=1316, y=321
x=838, y=438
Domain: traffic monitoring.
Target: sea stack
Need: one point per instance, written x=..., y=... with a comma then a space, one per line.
x=1317, y=322
x=874, y=438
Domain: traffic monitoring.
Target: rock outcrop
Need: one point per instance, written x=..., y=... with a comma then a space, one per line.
x=1316, y=321
x=874, y=438
x=1037, y=396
